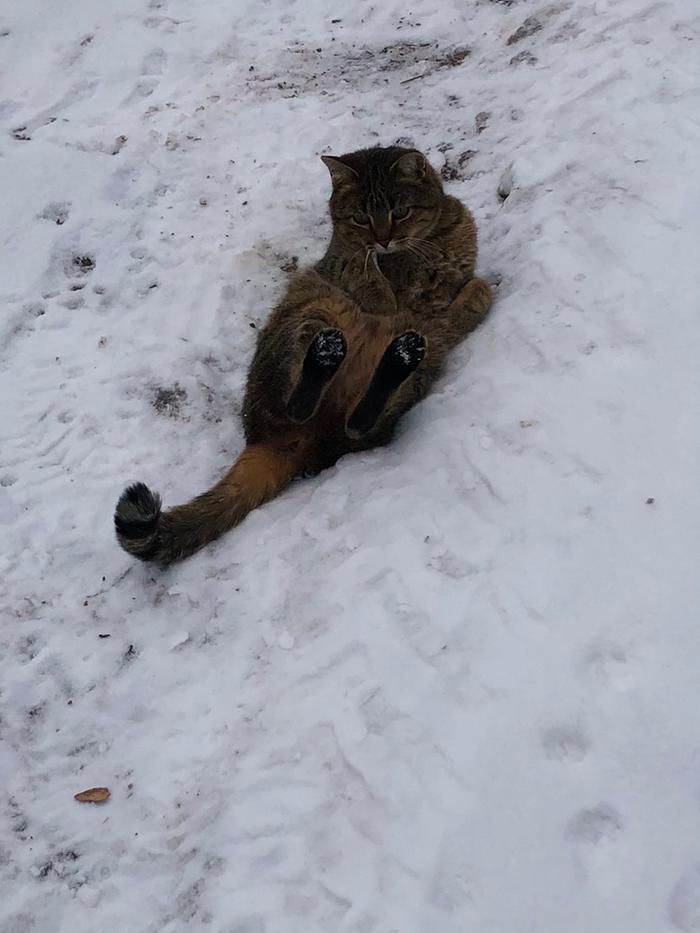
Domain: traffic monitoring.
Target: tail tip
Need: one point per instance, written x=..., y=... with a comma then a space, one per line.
x=137, y=512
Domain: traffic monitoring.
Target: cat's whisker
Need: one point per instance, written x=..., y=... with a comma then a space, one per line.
x=432, y=245
x=421, y=256
x=418, y=251
x=426, y=246
x=429, y=245
x=408, y=242
x=355, y=254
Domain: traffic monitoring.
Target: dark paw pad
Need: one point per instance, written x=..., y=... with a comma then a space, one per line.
x=322, y=360
x=407, y=350
x=327, y=350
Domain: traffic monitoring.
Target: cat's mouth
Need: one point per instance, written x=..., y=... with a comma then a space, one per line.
x=391, y=247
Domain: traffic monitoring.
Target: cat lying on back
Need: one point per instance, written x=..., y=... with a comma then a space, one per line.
x=354, y=343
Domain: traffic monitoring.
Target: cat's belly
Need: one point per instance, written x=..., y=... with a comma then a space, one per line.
x=367, y=337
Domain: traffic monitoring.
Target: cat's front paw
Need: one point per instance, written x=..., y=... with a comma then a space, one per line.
x=476, y=296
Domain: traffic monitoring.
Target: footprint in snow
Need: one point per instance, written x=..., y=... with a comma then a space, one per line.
x=594, y=826
x=565, y=742
x=608, y=664
x=684, y=901
x=57, y=212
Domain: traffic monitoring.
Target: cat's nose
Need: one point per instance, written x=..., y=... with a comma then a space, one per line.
x=383, y=241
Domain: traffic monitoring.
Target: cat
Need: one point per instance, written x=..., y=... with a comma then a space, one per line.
x=353, y=344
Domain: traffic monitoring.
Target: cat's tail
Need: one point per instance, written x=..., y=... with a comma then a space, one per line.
x=146, y=532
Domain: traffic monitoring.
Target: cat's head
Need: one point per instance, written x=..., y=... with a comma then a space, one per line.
x=383, y=198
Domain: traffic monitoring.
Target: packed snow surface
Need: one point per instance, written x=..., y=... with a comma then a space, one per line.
x=451, y=686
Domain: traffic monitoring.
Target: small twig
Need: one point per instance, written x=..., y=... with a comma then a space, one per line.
x=415, y=77
x=110, y=585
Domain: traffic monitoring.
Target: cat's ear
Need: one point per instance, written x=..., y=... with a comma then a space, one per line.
x=341, y=174
x=410, y=165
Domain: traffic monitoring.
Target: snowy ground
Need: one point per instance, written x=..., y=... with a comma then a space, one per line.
x=449, y=686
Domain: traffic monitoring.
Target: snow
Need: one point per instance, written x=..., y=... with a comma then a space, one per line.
x=448, y=685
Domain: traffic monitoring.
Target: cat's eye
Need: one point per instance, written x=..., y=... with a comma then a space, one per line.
x=400, y=213
x=362, y=220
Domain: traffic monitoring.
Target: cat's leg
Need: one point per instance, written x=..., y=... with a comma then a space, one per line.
x=446, y=329
x=323, y=358
x=401, y=358
x=469, y=308
x=363, y=280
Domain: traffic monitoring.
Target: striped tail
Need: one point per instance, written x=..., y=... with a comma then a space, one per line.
x=146, y=532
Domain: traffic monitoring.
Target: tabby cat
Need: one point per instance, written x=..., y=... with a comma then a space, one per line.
x=355, y=342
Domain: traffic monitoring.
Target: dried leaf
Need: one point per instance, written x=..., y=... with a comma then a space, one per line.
x=93, y=795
